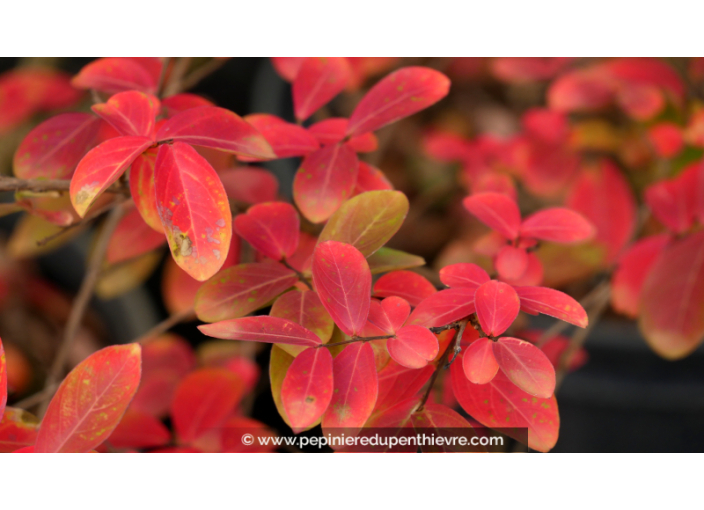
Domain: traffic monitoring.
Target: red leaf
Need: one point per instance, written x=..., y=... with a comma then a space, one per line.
x=535, y=300
x=670, y=202
x=370, y=178
x=497, y=307
x=548, y=126
x=355, y=389
x=511, y=262
x=413, y=346
x=667, y=139
x=634, y=265
x=463, y=274
x=210, y=126
x=115, y=74
x=18, y=429
x=603, y=196
x=532, y=276
x=286, y=140
x=398, y=383
x=343, y=281
x=307, y=388
x=271, y=228
x=53, y=148
x=139, y=430
x=405, y=284
x=143, y=190
x=324, y=181
x=232, y=434
x=479, y=363
x=130, y=113
x=194, y=210
x=672, y=299
x=101, y=167
x=203, y=400
x=398, y=95
x=262, y=329
x=526, y=366
x=580, y=90
x=332, y=131
x=181, y=102
x=500, y=404
x=167, y=351
x=242, y=289
x=91, y=400
x=156, y=390
x=559, y=225
x=3, y=379
x=497, y=211
x=388, y=315
x=287, y=67
x=443, y=308
x=250, y=184
x=318, y=80
x=132, y=238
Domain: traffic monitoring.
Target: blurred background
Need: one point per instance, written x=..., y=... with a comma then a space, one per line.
x=623, y=397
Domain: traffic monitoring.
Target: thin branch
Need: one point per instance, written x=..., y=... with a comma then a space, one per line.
x=167, y=324
x=300, y=275
x=202, y=72
x=80, y=304
x=162, y=76
x=36, y=398
x=357, y=339
x=440, y=364
x=601, y=302
x=42, y=185
x=80, y=223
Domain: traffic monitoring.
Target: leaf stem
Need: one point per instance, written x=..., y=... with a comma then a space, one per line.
x=300, y=275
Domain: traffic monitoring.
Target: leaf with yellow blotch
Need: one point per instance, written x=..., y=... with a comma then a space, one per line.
x=367, y=221
x=18, y=429
x=91, y=400
x=387, y=259
x=305, y=309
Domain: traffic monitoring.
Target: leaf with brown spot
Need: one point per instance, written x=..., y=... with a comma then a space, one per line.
x=307, y=388
x=194, y=210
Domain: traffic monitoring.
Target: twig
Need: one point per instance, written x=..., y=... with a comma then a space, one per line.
x=80, y=304
x=441, y=364
x=41, y=185
x=177, y=73
x=162, y=76
x=202, y=72
x=300, y=275
x=166, y=325
x=80, y=223
x=601, y=301
x=357, y=339
x=36, y=398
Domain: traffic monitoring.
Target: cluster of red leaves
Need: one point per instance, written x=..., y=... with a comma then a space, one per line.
x=553, y=157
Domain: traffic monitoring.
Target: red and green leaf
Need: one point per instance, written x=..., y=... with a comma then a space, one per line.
x=367, y=221
x=305, y=309
x=18, y=429
x=91, y=400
